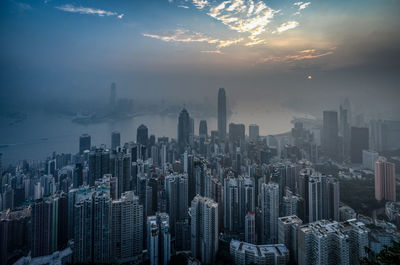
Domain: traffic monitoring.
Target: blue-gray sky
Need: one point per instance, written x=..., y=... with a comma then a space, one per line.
x=261, y=51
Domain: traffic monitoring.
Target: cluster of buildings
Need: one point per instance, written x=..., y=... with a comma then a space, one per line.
x=151, y=199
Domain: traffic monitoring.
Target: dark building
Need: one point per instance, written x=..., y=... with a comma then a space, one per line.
x=184, y=128
x=203, y=132
x=221, y=114
x=359, y=142
x=44, y=227
x=142, y=135
x=78, y=176
x=115, y=139
x=84, y=142
x=237, y=133
x=330, y=135
x=99, y=164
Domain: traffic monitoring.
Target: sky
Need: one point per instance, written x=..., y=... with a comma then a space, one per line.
x=306, y=56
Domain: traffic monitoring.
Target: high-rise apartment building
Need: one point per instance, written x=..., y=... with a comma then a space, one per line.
x=243, y=253
x=127, y=228
x=269, y=213
x=385, y=180
x=204, y=229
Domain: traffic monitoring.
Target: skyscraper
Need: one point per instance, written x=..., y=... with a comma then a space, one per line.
x=158, y=239
x=385, y=180
x=204, y=229
x=142, y=135
x=269, y=212
x=84, y=143
x=254, y=132
x=231, y=204
x=221, y=114
x=92, y=225
x=115, y=139
x=330, y=134
x=287, y=233
x=184, y=129
x=250, y=227
x=359, y=142
x=203, y=132
x=176, y=188
x=44, y=227
x=127, y=228
x=330, y=242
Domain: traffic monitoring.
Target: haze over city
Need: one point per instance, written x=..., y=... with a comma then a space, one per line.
x=199, y=132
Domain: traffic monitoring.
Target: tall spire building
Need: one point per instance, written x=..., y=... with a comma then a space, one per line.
x=222, y=114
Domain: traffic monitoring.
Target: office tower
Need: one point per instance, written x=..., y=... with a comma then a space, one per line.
x=44, y=227
x=329, y=137
x=250, y=228
x=331, y=199
x=142, y=135
x=369, y=158
x=231, y=204
x=269, y=212
x=203, y=132
x=237, y=132
x=1, y=164
x=92, y=225
x=184, y=128
x=287, y=233
x=176, y=188
x=158, y=239
x=344, y=128
x=84, y=143
x=254, y=132
x=385, y=180
x=385, y=135
x=99, y=164
x=204, y=229
x=359, y=142
x=243, y=253
x=115, y=139
x=113, y=96
x=326, y=242
x=221, y=114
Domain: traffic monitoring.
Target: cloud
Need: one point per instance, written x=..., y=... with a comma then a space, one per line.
x=302, y=5
x=186, y=36
x=212, y=52
x=299, y=56
x=287, y=26
x=200, y=4
x=88, y=11
x=244, y=16
x=183, y=6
